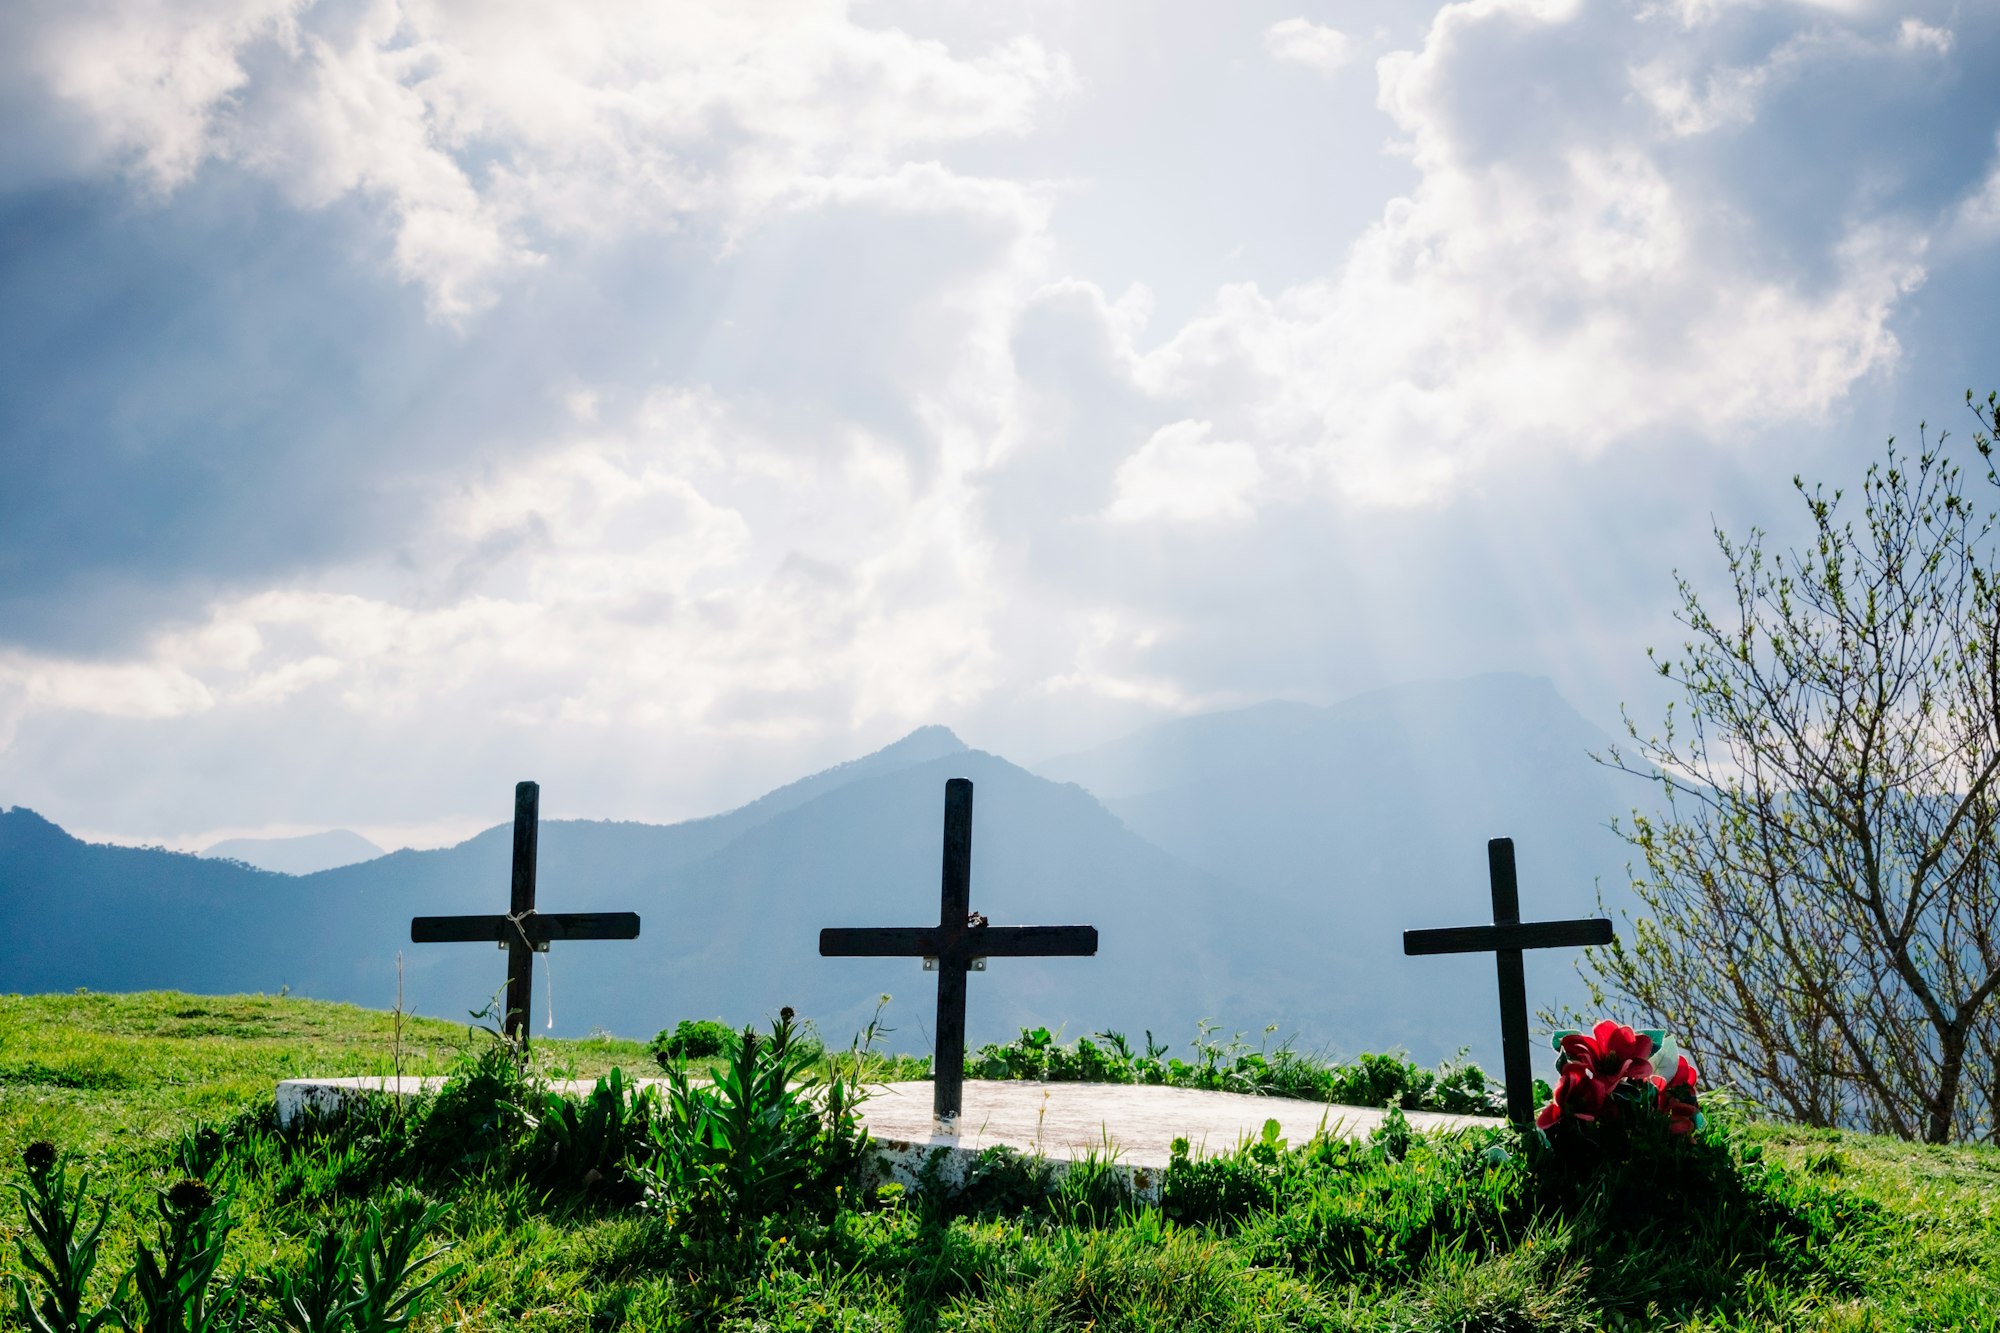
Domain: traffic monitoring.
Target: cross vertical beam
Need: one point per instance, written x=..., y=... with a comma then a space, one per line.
x=1513, y=981
x=954, y=914
x=1506, y=939
x=521, y=902
x=961, y=942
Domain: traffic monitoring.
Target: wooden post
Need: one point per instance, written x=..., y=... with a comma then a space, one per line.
x=521, y=902
x=955, y=910
x=1513, y=981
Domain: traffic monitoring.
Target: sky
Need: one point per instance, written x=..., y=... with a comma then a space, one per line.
x=663, y=400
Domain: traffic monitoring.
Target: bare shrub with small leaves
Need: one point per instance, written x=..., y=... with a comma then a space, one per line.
x=1820, y=891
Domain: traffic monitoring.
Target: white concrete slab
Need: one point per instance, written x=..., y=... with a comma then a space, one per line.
x=1069, y=1120
x=1063, y=1122
x=1131, y=1125
x=325, y=1096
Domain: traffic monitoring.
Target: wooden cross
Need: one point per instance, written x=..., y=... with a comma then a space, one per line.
x=1505, y=939
x=524, y=932
x=960, y=942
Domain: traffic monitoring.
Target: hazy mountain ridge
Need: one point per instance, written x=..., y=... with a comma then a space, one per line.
x=732, y=906
x=305, y=854
x=79, y=910
x=1296, y=799
x=1041, y=853
x=1371, y=816
x=1254, y=866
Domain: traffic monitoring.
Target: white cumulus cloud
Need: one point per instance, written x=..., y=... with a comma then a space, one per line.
x=1181, y=475
x=1300, y=41
x=880, y=448
x=1589, y=287
x=485, y=134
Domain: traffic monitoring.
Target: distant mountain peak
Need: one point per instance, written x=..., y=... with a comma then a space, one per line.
x=919, y=747
x=924, y=745
x=306, y=854
x=931, y=741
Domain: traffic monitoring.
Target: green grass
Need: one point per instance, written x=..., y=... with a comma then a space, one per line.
x=120, y=1076
x=1233, y=1065
x=1820, y=1230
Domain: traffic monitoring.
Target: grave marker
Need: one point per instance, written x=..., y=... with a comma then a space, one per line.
x=1505, y=939
x=961, y=941
x=524, y=931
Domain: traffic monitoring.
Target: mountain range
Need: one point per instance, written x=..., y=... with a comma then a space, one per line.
x=1251, y=867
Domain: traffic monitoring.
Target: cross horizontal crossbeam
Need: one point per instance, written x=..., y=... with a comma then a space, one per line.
x=539, y=928
x=1526, y=935
x=970, y=942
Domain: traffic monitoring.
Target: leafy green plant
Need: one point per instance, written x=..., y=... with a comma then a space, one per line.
x=370, y=1280
x=170, y=1284
x=1233, y=1065
x=387, y=1263
x=199, y=1153
x=476, y=1115
x=692, y=1039
x=583, y=1143
x=1027, y=1056
x=999, y=1182
x=68, y=1247
x=758, y=1139
x=1381, y=1080
x=1393, y=1136
x=1462, y=1088
x=1215, y=1189
x=1148, y=1066
x=319, y=1297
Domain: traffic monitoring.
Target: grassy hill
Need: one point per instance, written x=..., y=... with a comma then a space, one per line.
x=1849, y=1232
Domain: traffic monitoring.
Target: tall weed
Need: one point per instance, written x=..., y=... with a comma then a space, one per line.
x=759, y=1139
x=65, y=1252
x=170, y=1283
x=584, y=1144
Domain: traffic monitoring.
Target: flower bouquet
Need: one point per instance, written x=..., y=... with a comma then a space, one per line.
x=1608, y=1077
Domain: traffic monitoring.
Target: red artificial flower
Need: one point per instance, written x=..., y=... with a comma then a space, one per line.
x=1580, y=1095
x=1676, y=1097
x=1610, y=1050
